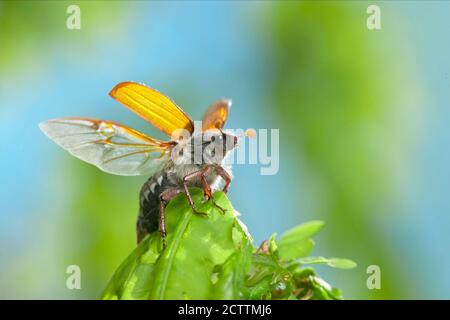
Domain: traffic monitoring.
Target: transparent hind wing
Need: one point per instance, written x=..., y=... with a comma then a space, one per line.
x=110, y=146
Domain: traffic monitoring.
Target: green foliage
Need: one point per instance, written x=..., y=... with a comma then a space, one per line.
x=296, y=242
x=28, y=26
x=336, y=89
x=213, y=257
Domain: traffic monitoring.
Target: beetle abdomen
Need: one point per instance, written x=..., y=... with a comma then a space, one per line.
x=148, y=217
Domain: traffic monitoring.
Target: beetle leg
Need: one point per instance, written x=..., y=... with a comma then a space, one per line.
x=225, y=176
x=217, y=169
x=164, y=198
x=202, y=174
x=192, y=176
x=206, y=187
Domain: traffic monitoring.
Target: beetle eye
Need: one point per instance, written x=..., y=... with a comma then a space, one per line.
x=213, y=138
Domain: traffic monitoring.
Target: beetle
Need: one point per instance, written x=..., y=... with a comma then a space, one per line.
x=192, y=157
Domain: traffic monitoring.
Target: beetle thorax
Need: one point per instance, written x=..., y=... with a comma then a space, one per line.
x=209, y=147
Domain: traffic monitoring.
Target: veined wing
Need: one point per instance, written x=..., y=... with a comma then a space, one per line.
x=153, y=106
x=110, y=146
x=216, y=115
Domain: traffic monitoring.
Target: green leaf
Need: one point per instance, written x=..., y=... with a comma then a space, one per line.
x=260, y=290
x=273, y=247
x=293, y=251
x=132, y=278
x=213, y=258
x=230, y=283
x=338, y=263
x=341, y=263
x=196, y=245
x=228, y=278
x=301, y=232
x=296, y=243
x=323, y=290
x=309, y=286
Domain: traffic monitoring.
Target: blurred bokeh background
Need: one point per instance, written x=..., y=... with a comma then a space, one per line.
x=363, y=118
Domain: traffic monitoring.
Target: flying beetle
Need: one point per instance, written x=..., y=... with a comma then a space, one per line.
x=190, y=158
